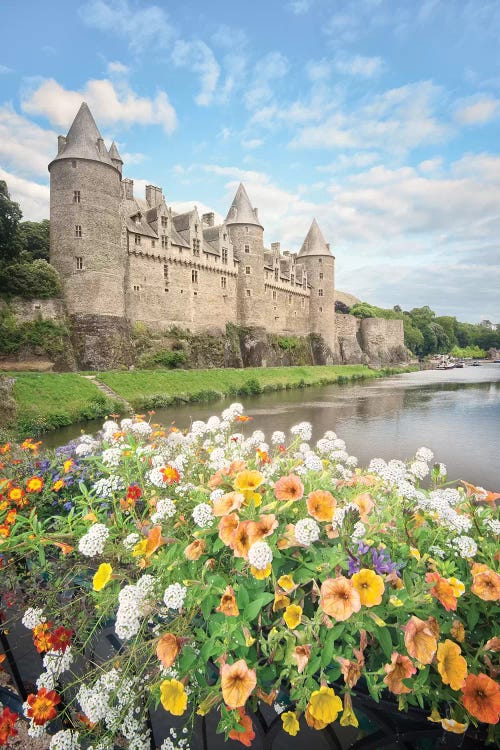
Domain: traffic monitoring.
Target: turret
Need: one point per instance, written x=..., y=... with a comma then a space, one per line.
x=316, y=257
x=246, y=234
x=116, y=158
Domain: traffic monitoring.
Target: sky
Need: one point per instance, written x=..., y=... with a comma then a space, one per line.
x=378, y=117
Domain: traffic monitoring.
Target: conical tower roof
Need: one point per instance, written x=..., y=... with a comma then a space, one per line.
x=241, y=211
x=113, y=152
x=314, y=243
x=82, y=141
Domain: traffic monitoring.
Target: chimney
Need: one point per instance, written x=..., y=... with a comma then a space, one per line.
x=256, y=213
x=208, y=219
x=61, y=143
x=275, y=247
x=154, y=195
x=128, y=189
x=101, y=147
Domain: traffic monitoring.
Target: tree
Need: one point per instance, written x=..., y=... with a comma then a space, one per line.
x=30, y=280
x=341, y=307
x=33, y=240
x=10, y=216
x=449, y=324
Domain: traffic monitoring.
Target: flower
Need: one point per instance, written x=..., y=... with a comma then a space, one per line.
x=173, y=697
x=457, y=586
x=457, y=631
x=102, y=576
x=324, y=705
x=339, y=598
x=289, y=488
x=450, y=725
x=312, y=722
x=421, y=639
x=481, y=698
x=227, y=503
x=195, y=550
x=7, y=725
x=301, y=655
x=443, y=591
x=168, y=649
x=281, y=601
x=400, y=668
x=42, y=706
x=369, y=586
x=290, y=724
x=306, y=531
x=261, y=573
x=451, y=665
x=34, y=484
x=227, y=527
x=286, y=582
x=321, y=505
x=248, y=481
x=260, y=555
x=228, y=605
x=365, y=504
x=170, y=475
x=348, y=718
x=486, y=584
x=247, y=736
x=293, y=615
x=237, y=682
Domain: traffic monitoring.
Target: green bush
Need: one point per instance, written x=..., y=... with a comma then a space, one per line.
x=46, y=334
x=163, y=358
x=33, y=280
x=287, y=343
x=468, y=352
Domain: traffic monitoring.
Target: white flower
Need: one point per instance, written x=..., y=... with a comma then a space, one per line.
x=419, y=469
x=260, y=555
x=141, y=429
x=465, y=545
x=105, y=487
x=278, y=437
x=306, y=531
x=216, y=494
x=303, y=429
x=312, y=462
x=92, y=543
x=32, y=617
x=155, y=476
x=131, y=540
x=493, y=525
x=174, y=596
x=165, y=508
x=424, y=454
x=111, y=456
x=203, y=515
x=66, y=739
x=358, y=531
x=57, y=662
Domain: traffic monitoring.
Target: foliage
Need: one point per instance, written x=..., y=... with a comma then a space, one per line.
x=468, y=352
x=342, y=308
x=234, y=574
x=33, y=240
x=287, y=343
x=10, y=216
x=30, y=280
x=49, y=336
x=163, y=358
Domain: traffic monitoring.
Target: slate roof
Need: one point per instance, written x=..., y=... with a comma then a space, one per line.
x=113, y=153
x=82, y=140
x=314, y=243
x=241, y=211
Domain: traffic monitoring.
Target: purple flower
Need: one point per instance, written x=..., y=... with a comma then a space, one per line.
x=382, y=562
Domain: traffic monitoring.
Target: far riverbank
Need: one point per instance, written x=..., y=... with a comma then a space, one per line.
x=48, y=401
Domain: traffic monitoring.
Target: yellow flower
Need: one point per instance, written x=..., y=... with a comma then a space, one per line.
x=451, y=665
x=458, y=631
x=290, y=723
x=252, y=497
x=457, y=586
x=261, y=574
x=450, y=725
x=102, y=576
x=324, y=705
x=369, y=586
x=173, y=697
x=292, y=616
x=414, y=553
x=248, y=480
x=395, y=601
x=348, y=718
x=140, y=548
x=286, y=582
x=281, y=601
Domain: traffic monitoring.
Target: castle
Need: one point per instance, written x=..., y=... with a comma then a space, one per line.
x=124, y=259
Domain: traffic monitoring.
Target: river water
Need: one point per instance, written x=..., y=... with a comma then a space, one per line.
x=456, y=413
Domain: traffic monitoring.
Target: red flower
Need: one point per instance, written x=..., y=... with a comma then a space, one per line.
x=170, y=474
x=442, y=590
x=7, y=720
x=248, y=735
x=134, y=492
x=61, y=639
x=42, y=706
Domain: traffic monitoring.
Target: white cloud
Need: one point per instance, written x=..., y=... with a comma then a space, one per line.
x=199, y=58
x=365, y=67
x=116, y=67
x=252, y=142
x=478, y=112
x=32, y=197
x=350, y=161
x=299, y=7
x=269, y=69
x=4, y=69
x=110, y=104
x=25, y=146
x=144, y=28
x=431, y=165
x=132, y=158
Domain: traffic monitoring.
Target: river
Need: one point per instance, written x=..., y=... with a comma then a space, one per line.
x=456, y=413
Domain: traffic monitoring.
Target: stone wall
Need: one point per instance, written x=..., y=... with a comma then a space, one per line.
x=383, y=341
x=25, y=310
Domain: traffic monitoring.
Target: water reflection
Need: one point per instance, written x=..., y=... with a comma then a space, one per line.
x=456, y=414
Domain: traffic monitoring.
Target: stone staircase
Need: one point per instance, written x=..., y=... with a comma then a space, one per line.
x=110, y=393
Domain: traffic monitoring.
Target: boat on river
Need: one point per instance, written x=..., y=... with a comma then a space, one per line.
x=445, y=365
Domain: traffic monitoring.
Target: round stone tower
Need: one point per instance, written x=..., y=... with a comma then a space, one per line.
x=247, y=236
x=315, y=255
x=85, y=241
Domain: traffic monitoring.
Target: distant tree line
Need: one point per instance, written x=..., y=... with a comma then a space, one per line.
x=24, y=253
x=426, y=333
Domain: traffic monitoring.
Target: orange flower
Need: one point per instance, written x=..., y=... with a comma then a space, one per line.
x=42, y=706
x=263, y=527
x=227, y=503
x=237, y=682
x=195, y=550
x=8, y=720
x=442, y=590
x=228, y=605
x=242, y=539
x=339, y=598
x=301, y=655
x=289, y=488
x=492, y=645
x=457, y=631
x=481, y=698
x=248, y=735
x=153, y=541
x=170, y=474
x=168, y=649
x=486, y=584
x=68, y=465
x=400, y=668
x=42, y=637
x=16, y=495
x=421, y=639
x=351, y=670
x=365, y=504
x=58, y=485
x=451, y=665
x=227, y=528
x=321, y=505
x=34, y=484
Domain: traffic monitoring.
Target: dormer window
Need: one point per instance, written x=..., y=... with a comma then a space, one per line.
x=137, y=239
x=276, y=274
x=164, y=222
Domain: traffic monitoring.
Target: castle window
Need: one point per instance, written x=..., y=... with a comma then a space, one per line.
x=165, y=271
x=249, y=292
x=320, y=260
x=223, y=282
x=304, y=283
x=276, y=274
x=247, y=269
x=247, y=248
x=303, y=302
x=194, y=276
x=195, y=294
x=76, y=196
x=78, y=230
x=137, y=288
x=246, y=230
x=289, y=299
x=224, y=254
x=153, y=243
x=137, y=239
x=321, y=309
x=292, y=278
x=73, y=163
x=320, y=292
x=79, y=263
x=196, y=247
x=274, y=294
x=164, y=221
x=196, y=228
x=321, y=275
x=224, y=236
x=164, y=240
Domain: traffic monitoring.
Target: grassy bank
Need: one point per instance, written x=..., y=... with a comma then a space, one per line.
x=151, y=389
x=46, y=401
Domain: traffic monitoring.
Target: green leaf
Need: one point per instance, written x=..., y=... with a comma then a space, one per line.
x=385, y=640
x=472, y=617
x=253, y=609
x=327, y=649
x=207, y=605
x=242, y=597
x=371, y=688
x=187, y=658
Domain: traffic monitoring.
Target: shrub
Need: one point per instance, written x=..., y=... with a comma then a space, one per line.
x=163, y=358
x=30, y=280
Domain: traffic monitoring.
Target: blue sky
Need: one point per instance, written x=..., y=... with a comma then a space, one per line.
x=379, y=118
